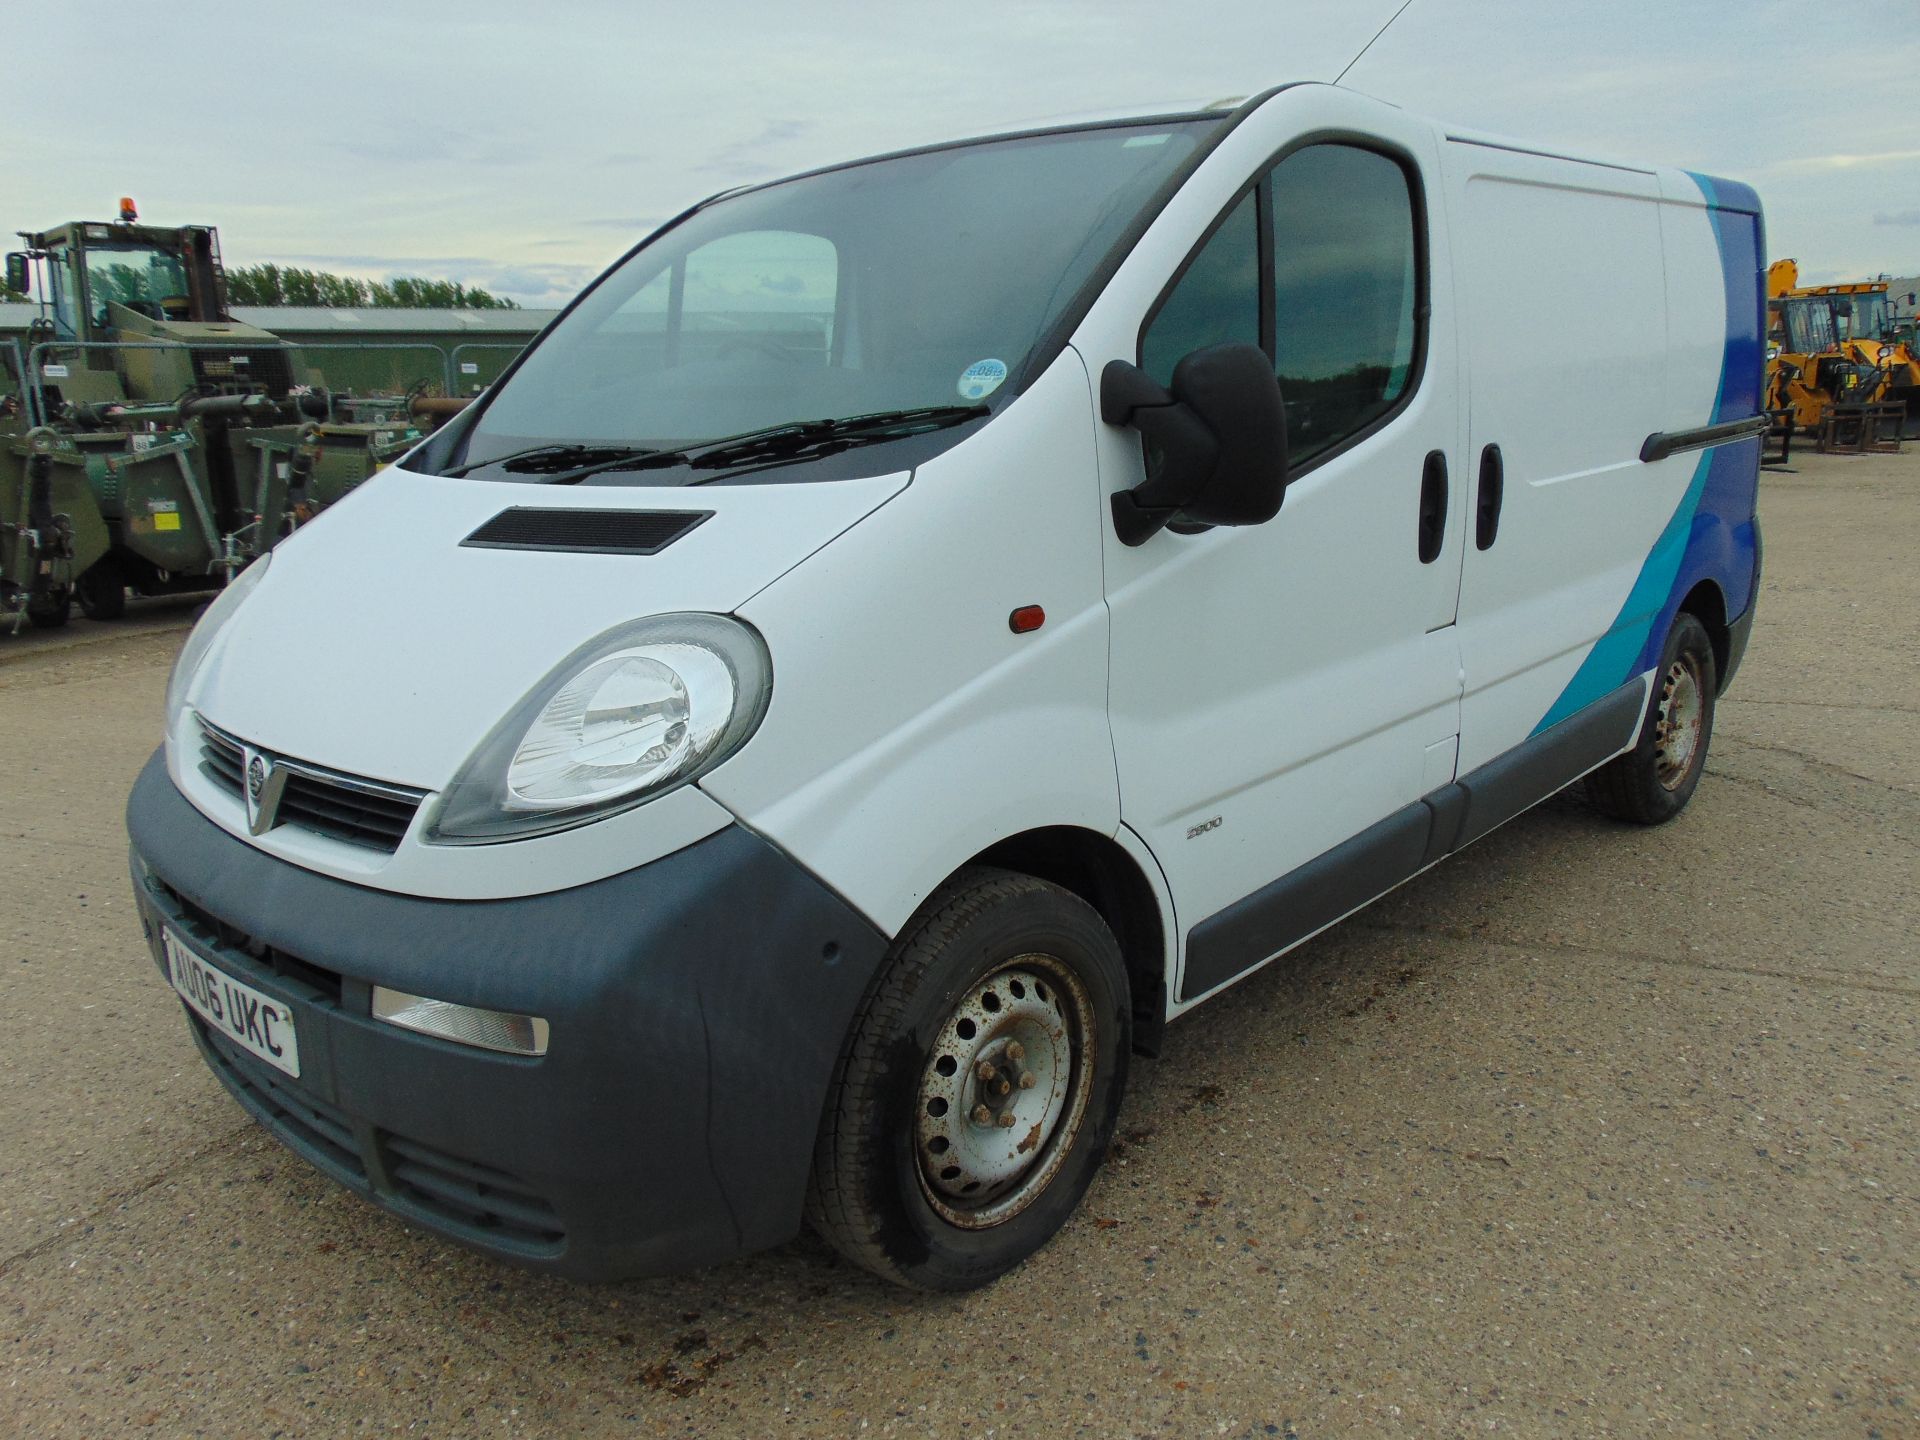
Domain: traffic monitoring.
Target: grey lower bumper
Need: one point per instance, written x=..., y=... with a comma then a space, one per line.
x=697, y=1006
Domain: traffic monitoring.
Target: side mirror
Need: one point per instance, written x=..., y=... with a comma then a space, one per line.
x=1217, y=441
x=18, y=278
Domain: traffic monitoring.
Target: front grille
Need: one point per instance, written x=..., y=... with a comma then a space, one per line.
x=250, y=959
x=223, y=761
x=369, y=813
x=479, y=1202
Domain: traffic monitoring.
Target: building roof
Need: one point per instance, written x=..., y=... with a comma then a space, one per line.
x=367, y=319
x=313, y=319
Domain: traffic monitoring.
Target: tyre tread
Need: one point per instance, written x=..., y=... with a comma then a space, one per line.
x=836, y=1205
x=1624, y=788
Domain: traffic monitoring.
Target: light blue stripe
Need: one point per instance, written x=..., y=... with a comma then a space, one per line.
x=1615, y=656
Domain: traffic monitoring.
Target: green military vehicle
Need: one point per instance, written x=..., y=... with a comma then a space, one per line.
x=154, y=443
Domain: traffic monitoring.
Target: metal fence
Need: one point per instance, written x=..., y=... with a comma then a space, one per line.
x=13, y=374
x=478, y=364
x=368, y=367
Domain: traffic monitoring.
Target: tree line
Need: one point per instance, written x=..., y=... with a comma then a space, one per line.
x=288, y=285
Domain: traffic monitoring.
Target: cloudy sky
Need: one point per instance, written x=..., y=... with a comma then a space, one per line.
x=522, y=146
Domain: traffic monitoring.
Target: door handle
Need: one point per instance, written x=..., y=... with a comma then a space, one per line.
x=1493, y=485
x=1433, y=506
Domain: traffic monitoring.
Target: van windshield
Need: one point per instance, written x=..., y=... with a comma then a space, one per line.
x=917, y=284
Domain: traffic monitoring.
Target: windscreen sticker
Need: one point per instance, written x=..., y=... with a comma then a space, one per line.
x=982, y=378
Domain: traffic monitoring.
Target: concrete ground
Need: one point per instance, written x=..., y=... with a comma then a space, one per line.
x=1591, y=1131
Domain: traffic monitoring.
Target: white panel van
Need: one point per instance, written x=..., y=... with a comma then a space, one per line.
x=908, y=632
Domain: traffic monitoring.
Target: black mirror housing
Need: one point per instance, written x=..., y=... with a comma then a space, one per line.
x=1220, y=435
x=19, y=280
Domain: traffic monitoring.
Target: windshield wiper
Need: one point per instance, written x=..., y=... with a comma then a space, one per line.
x=785, y=442
x=791, y=441
x=554, y=459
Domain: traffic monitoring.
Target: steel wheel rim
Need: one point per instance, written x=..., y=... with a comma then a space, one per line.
x=1683, y=714
x=987, y=1142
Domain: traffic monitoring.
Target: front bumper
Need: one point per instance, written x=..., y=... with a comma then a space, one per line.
x=697, y=1007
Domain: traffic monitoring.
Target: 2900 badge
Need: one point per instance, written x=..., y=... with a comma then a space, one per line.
x=257, y=1023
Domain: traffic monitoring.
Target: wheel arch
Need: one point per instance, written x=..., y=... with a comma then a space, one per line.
x=1707, y=603
x=1097, y=869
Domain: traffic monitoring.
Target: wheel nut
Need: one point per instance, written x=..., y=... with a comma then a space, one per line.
x=982, y=1115
x=1006, y=1120
x=1026, y=1080
x=1016, y=1051
x=983, y=1071
x=1003, y=1087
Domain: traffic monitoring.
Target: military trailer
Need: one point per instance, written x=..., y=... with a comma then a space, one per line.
x=154, y=443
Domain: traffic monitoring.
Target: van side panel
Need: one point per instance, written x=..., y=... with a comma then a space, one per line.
x=1560, y=267
x=1716, y=287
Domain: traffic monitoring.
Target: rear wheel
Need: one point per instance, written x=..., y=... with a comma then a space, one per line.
x=979, y=1088
x=1652, y=782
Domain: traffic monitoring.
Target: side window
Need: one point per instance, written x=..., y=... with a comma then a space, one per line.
x=1218, y=299
x=1344, y=291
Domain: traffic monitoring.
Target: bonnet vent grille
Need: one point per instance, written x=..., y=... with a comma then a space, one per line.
x=595, y=532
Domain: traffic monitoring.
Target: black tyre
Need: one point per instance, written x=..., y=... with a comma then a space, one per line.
x=50, y=609
x=102, y=592
x=1652, y=782
x=979, y=1087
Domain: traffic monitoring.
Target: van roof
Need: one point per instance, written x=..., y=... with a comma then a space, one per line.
x=1181, y=112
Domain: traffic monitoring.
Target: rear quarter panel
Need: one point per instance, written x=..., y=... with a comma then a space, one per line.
x=1714, y=248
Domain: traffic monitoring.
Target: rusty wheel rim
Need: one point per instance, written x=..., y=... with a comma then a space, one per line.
x=1004, y=1092
x=1682, y=719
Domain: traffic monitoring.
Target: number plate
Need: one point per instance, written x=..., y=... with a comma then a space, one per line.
x=257, y=1023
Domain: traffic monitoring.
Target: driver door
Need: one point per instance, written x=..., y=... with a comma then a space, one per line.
x=1282, y=694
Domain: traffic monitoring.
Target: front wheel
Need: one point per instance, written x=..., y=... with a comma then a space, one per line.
x=979, y=1088
x=50, y=609
x=1652, y=782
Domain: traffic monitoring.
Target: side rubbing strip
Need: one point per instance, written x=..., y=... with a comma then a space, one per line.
x=1285, y=912
x=1662, y=443
x=1544, y=764
x=591, y=532
x=1311, y=898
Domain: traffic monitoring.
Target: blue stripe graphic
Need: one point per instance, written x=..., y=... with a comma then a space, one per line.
x=1711, y=538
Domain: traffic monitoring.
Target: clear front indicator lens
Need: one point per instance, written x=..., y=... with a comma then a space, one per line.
x=645, y=707
x=462, y=1024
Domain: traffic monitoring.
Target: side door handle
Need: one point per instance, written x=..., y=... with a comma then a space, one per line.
x=1433, y=506
x=1493, y=486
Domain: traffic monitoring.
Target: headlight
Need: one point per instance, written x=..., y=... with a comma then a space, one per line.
x=644, y=708
x=201, y=640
